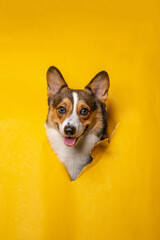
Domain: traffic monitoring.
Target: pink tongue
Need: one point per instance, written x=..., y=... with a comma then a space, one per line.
x=69, y=141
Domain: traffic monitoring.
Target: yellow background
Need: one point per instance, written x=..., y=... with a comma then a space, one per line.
x=118, y=195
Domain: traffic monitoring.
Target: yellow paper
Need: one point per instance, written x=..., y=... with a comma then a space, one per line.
x=117, y=196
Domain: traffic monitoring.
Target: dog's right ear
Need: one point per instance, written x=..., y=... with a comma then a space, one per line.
x=55, y=81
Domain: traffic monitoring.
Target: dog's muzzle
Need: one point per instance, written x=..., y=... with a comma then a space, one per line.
x=69, y=130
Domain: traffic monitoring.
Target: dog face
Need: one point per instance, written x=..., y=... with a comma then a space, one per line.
x=75, y=113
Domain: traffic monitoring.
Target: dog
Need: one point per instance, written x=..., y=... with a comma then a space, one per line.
x=76, y=119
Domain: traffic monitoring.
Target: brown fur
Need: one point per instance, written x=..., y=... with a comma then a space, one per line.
x=94, y=118
x=93, y=98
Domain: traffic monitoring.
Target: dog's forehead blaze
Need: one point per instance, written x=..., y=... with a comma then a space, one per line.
x=65, y=98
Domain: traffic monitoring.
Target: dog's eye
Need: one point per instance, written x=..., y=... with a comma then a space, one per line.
x=84, y=111
x=61, y=110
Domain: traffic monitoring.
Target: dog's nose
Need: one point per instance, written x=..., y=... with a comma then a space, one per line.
x=69, y=130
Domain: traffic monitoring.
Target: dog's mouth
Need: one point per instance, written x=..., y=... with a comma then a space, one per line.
x=69, y=141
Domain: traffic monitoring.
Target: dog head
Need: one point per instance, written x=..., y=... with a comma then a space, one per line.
x=75, y=113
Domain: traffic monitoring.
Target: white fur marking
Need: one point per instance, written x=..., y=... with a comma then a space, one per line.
x=73, y=119
x=74, y=158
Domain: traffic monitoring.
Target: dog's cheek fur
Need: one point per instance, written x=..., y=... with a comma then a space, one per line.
x=98, y=126
x=54, y=118
x=94, y=122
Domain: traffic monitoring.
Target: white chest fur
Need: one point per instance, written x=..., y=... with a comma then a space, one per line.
x=74, y=158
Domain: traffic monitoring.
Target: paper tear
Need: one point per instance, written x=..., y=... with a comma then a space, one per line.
x=113, y=131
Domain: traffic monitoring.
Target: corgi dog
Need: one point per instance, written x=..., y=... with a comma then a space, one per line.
x=76, y=119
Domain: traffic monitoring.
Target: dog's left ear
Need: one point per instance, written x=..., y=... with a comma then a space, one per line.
x=99, y=86
x=55, y=81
